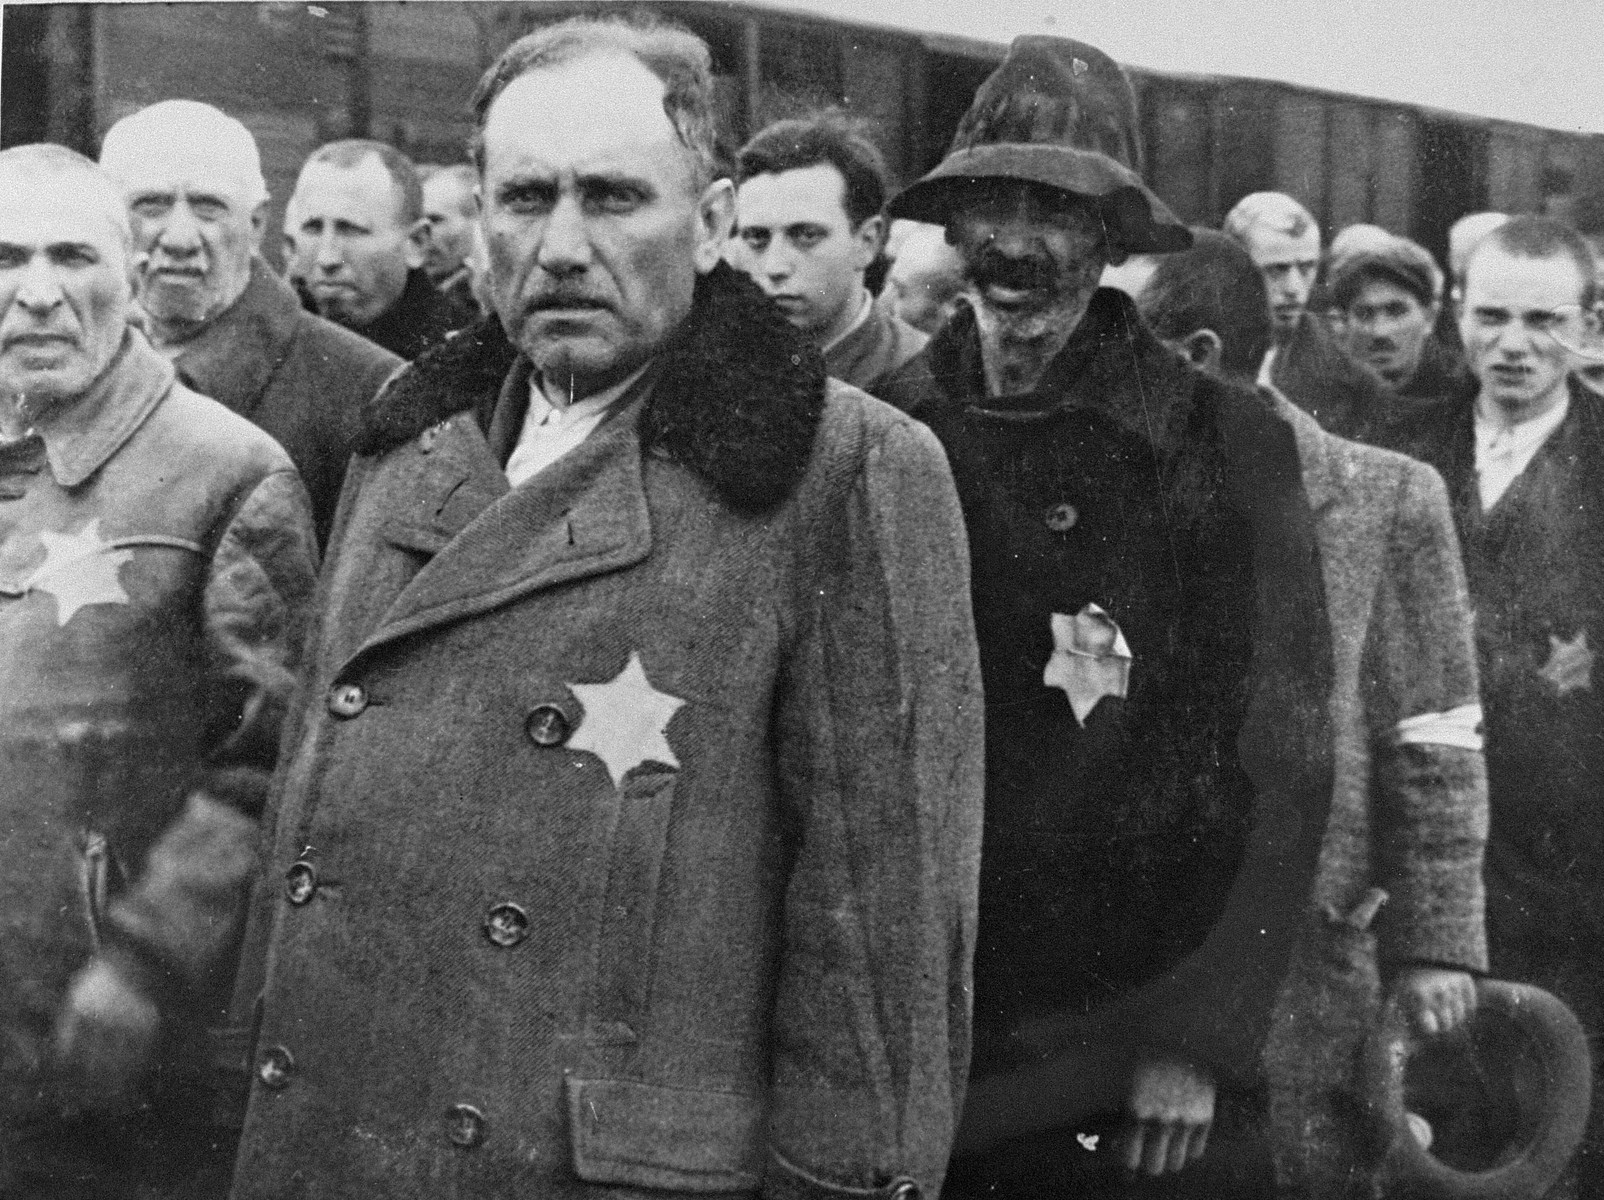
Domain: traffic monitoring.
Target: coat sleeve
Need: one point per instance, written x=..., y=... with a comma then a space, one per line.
x=880, y=748
x=181, y=912
x=1429, y=784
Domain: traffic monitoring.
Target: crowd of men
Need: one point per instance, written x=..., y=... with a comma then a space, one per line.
x=626, y=669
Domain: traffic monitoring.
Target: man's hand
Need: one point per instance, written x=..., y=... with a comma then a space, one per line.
x=1435, y=1000
x=1172, y=1108
x=104, y=1037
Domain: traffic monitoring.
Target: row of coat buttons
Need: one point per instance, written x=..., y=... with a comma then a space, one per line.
x=547, y=725
x=465, y=1124
x=506, y=924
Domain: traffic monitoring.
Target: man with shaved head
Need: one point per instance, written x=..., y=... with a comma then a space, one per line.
x=451, y=207
x=360, y=241
x=156, y=562
x=628, y=840
x=1304, y=362
x=197, y=205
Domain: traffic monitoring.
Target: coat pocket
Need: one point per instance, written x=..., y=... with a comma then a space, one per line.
x=655, y=1136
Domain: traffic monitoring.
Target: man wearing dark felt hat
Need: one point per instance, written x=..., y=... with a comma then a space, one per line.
x=1158, y=665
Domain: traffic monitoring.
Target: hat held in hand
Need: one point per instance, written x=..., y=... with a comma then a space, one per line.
x=1060, y=113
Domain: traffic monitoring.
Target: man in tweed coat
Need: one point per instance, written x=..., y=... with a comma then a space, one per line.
x=1408, y=802
x=628, y=843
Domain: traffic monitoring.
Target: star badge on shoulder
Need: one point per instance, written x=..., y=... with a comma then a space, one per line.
x=80, y=569
x=1090, y=660
x=626, y=721
x=1570, y=664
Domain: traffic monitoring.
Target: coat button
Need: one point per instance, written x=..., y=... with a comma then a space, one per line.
x=903, y=1189
x=347, y=699
x=1060, y=518
x=300, y=881
x=506, y=925
x=274, y=1067
x=547, y=726
x=465, y=1125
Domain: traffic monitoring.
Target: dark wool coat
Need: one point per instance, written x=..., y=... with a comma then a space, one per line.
x=1409, y=819
x=1535, y=563
x=1164, y=851
x=301, y=378
x=1441, y=377
x=156, y=561
x=421, y=317
x=873, y=350
x=629, y=839
x=1314, y=372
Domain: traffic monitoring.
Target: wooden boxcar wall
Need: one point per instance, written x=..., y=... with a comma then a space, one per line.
x=300, y=74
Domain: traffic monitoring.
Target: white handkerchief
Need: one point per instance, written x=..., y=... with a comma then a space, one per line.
x=1090, y=659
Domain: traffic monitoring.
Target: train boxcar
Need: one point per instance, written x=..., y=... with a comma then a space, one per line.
x=299, y=74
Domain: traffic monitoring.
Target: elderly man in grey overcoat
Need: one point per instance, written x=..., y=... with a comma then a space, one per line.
x=628, y=841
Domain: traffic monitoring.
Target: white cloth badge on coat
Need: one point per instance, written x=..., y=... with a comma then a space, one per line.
x=1090, y=659
x=626, y=721
x=79, y=569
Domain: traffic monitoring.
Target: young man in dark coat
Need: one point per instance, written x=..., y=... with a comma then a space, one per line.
x=235, y=331
x=1156, y=652
x=1522, y=452
x=359, y=234
x=809, y=212
x=1389, y=295
x=629, y=842
x=1306, y=361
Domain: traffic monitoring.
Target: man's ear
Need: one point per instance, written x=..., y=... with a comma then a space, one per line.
x=870, y=237
x=258, y=225
x=417, y=243
x=715, y=220
x=1203, y=349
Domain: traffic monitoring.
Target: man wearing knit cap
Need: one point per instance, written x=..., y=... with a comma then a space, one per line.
x=1305, y=361
x=234, y=331
x=1390, y=294
x=1157, y=662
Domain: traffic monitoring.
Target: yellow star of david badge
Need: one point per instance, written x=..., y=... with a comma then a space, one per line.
x=626, y=721
x=79, y=569
x=1570, y=663
x=1090, y=660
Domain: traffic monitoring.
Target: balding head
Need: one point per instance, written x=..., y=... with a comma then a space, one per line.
x=194, y=137
x=64, y=278
x=192, y=180
x=43, y=167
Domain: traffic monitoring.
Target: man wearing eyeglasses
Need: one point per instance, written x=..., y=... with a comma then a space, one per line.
x=1523, y=456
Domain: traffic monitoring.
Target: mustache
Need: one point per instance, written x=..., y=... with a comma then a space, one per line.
x=1035, y=272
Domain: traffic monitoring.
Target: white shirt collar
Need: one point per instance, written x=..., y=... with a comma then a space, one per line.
x=549, y=432
x=1503, y=450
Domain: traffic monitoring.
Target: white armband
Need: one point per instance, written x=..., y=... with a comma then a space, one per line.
x=1457, y=727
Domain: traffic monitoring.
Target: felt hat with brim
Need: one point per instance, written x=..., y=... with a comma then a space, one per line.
x=1494, y=1113
x=1059, y=113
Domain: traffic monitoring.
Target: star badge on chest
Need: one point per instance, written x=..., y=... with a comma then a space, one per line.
x=626, y=721
x=1570, y=664
x=1090, y=660
x=79, y=570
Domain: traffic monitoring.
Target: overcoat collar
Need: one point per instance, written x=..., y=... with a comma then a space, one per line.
x=235, y=357
x=82, y=434
x=737, y=396
x=1110, y=365
x=490, y=544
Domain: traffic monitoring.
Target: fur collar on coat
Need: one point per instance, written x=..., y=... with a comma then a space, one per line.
x=737, y=399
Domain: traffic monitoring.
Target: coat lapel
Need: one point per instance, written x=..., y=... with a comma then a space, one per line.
x=584, y=515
